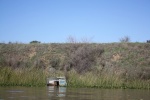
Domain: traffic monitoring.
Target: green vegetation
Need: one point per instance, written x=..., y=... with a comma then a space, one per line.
x=21, y=77
x=98, y=81
x=114, y=65
x=37, y=77
x=35, y=41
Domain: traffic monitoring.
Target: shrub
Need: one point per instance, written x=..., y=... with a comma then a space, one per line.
x=54, y=62
x=148, y=41
x=35, y=41
x=84, y=58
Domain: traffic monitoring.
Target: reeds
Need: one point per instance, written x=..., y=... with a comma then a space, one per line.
x=90, y=79
x=37, y=77
x=93, y=80
x=21, y=77
x=25, y=76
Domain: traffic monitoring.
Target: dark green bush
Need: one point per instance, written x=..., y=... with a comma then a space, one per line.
x=35, y=41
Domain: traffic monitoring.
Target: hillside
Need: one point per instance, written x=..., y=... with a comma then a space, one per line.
x=128, y=60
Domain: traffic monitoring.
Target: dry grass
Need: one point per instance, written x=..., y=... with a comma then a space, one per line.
x=126, y=64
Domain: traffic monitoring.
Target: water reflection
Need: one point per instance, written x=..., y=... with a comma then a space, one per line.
x=56, y=91
x=65, y=93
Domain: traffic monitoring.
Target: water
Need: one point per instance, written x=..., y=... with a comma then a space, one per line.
x=63, y=93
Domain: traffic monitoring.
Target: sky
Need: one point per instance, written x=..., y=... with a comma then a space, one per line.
x=53, y=21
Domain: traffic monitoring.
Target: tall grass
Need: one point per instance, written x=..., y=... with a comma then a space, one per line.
x=25, y=76
x=93, y=80
x=90, y=79
x=138, y=84
x=21, y=77
x=37, y=77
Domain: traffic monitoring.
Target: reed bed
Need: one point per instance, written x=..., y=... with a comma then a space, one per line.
x=93, y=80
x=25, y=76
x=37, y=77
x=21, y=77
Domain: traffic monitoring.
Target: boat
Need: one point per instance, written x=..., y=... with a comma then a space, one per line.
x=56, y=81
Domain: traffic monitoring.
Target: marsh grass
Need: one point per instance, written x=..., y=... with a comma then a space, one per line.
x=90, y=79
x=93, y=80
x=21, y=77
x=138, y=84
x=25, y=76
x=37, y=77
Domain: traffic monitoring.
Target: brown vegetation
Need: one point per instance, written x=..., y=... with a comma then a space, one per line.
x=128, y=61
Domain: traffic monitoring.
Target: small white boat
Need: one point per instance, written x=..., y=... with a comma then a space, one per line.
x=56, y=81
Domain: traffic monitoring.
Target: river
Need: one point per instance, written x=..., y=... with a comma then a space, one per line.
x=65, y=93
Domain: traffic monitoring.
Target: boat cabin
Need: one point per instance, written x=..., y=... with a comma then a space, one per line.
x=56, y=81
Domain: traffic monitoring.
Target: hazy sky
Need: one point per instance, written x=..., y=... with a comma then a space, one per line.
x=50, y=21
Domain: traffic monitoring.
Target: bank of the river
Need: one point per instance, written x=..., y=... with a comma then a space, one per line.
x=111, y=65
x=37, y=77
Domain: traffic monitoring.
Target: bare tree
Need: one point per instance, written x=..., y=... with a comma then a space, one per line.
x=71, y=39
x=86, y=40
x=125, y=39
